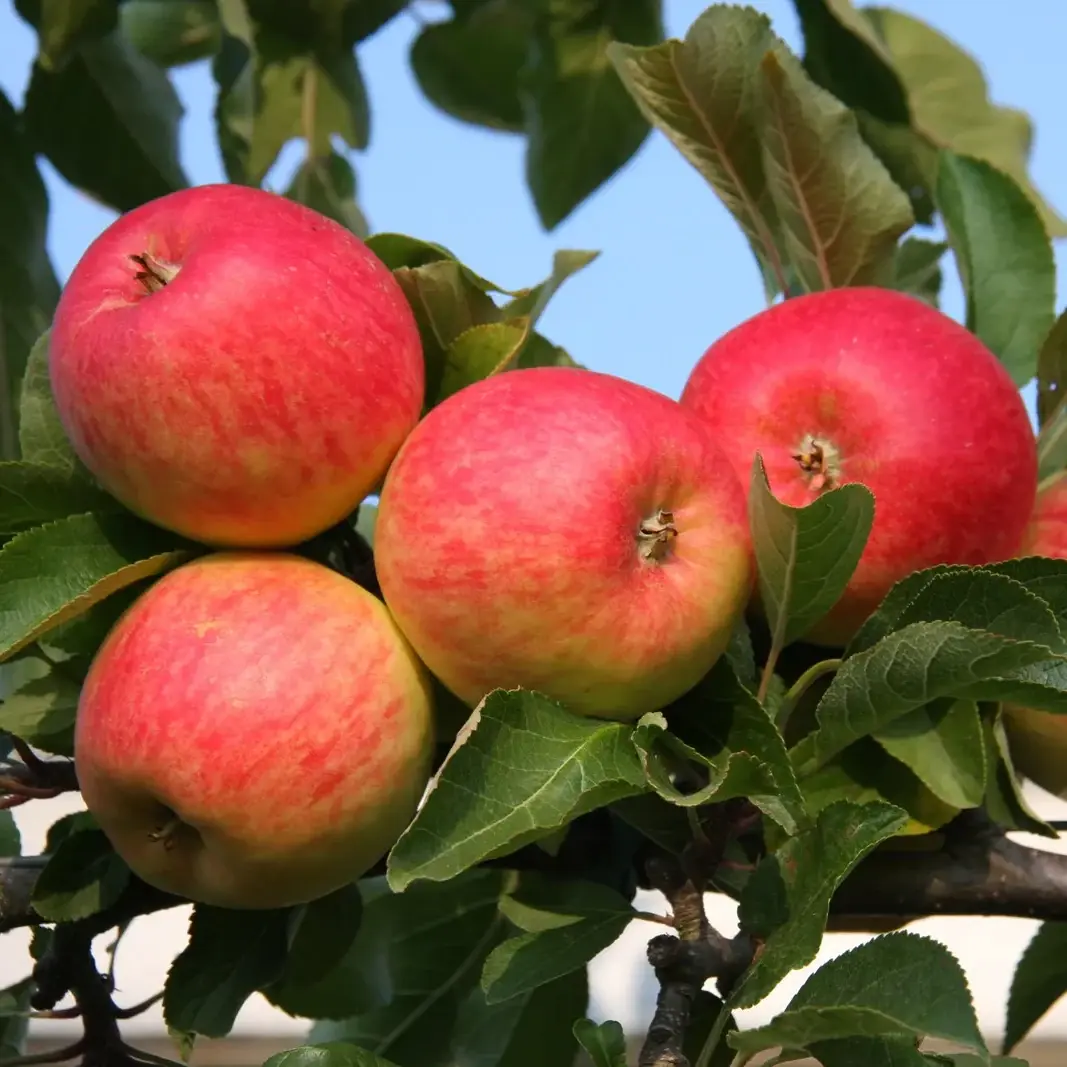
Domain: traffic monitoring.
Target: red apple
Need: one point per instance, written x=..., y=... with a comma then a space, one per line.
x=565, y=531
x=1038, y=739
x=874, y=386
x=234, y=366
x=254, y=732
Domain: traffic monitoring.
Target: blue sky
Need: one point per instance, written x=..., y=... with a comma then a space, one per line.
x=674, y=273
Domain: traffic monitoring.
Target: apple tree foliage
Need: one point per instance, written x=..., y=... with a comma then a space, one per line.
x=857, y=791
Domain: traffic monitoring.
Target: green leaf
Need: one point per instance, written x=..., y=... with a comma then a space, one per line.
x=1039, y=981
x=470, y=66
x=41, y=712
x=33, y=493
x=805, y=556
x=917, y=665
x=1004, y=258
x=172, y=32
x=944, y=745
x=579, y=920
x=319, y=936
x=230, y=955
x=420, y=954
x=1051, y=381
x=42, y=439
x=883, y=1051
x=722, y=728
x=479, y=352
x=84, y=875
x=53, y=573
x=604, y=1042
x=330, y=1054
x=704, y=94
x=28, y=285
x=917, y=268
x=532, y=302
x=108, y=122
x=10, y=838
x=787, y=899
x=1005, y=800
x=15, y=1018
x=521, y=766
x=64, y=24
x=949, y=102
x=542, y=1032
x=841, y=213
x=1052, y=445
x=582, y=125
x=328, y=185
x=899, y=985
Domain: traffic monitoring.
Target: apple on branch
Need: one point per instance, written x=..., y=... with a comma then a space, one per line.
x=234, y=366
x=254, y=732
x=565, y=531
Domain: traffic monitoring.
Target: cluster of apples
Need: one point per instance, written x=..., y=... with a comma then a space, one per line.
x=257, y=729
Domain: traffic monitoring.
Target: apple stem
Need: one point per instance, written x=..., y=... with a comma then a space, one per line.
x=655, y=534
x=154, y=273
x=167, y=832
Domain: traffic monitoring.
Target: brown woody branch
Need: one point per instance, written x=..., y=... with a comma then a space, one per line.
x=32, y=778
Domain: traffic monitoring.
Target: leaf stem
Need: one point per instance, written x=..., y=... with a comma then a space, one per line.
x=802, y=685
x=652, y=917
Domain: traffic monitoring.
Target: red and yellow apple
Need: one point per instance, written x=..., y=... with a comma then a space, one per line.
x=565, y=531
x=254, y=732
x=1038, y=739
x=234, y=366
x=874, y=386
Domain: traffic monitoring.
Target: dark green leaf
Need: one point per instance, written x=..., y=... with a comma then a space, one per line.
x=521, y=766
x=943, y=744
x=328, y=185
x=604, y=1042
x=53, y=573
x=704, y=93
x=28, y=286
x=917, y=665
x=567, y=924
x=660, y=821
x=917, y=268
x=330, y=1054
x=83, y=876
x=899, y=985
x=540, y=352
x=1004, y=258
x=10, y=838
x=1005, y=801
x=787, y=899
x=41, y=712
x=320, y=934
x=703, y=1018
x=172, y=32
x=949, y=102
x=870, y=1051
x=64, y=24
x=469, y=67
x=14, y=1018
x=230, y=955
x=32, y=494
x=805, y=556
x=1051, y=379
x=108, y=122
x=420, y=953
x=840, y=212
x=582, y=125
x=42, y=439
x=1039, y=981
x=543, y=1031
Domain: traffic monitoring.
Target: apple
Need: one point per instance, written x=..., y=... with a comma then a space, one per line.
x=566, y=531
x=874, y=386
x=234, y=366
x=254, y=732
x=1038, y=739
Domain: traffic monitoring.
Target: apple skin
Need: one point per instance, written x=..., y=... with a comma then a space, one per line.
x=1038, y=739
x=259, y=395
x=274, y=708
x=508, y=547
x=897, y=396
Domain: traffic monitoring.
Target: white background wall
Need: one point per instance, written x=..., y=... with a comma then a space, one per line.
x=622, y=984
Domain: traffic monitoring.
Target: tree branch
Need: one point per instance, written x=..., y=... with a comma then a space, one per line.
x=31, y=777
x=977, y=871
